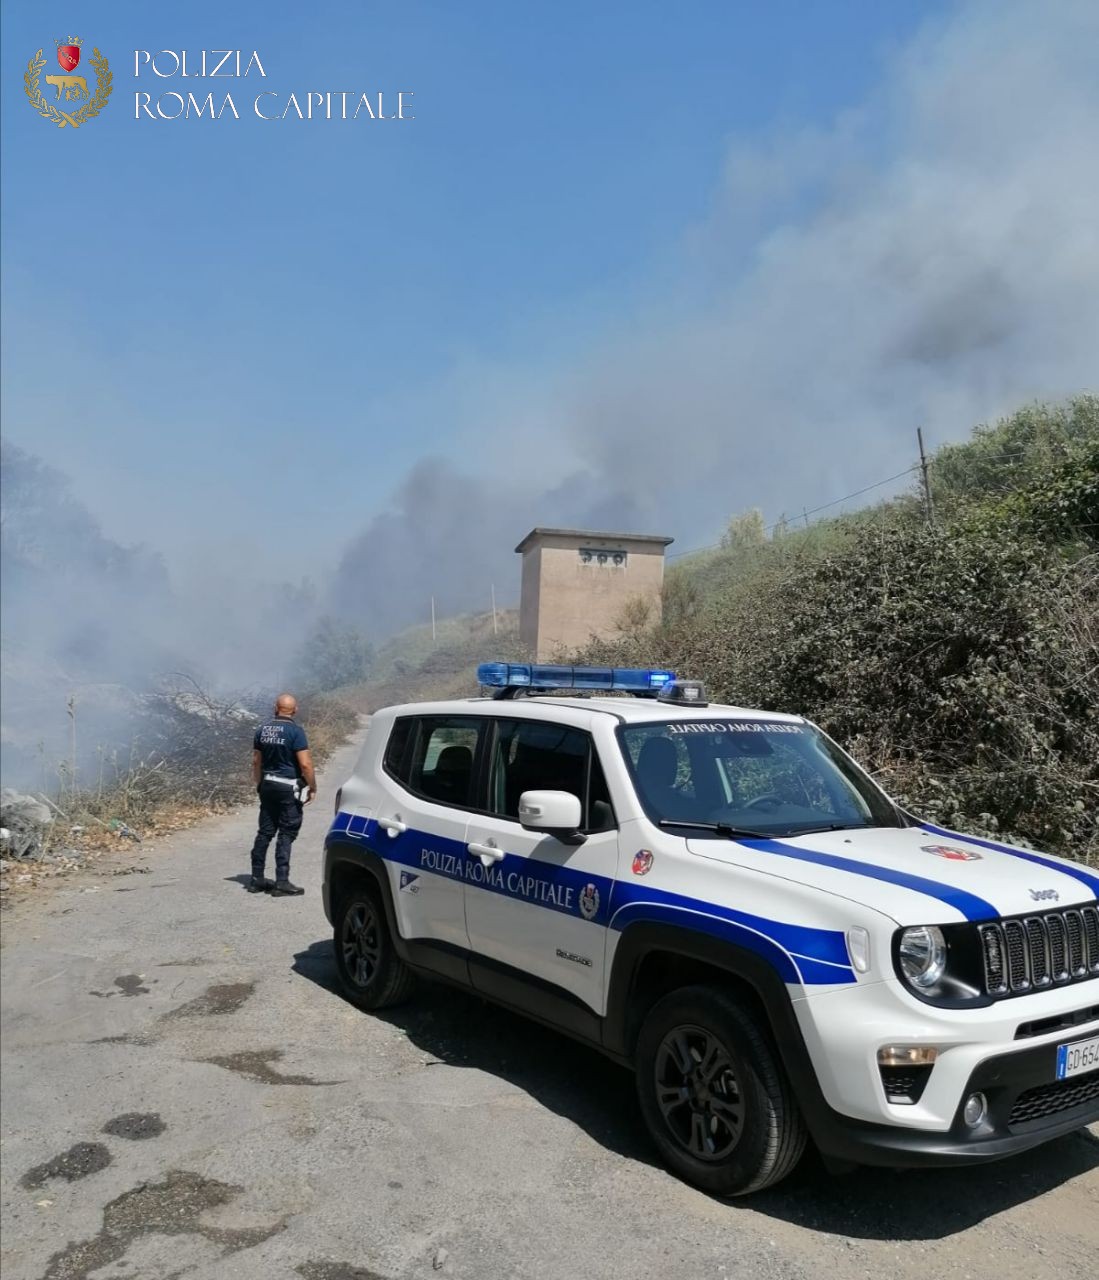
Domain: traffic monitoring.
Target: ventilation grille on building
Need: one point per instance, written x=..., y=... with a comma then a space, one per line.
x=602, y=557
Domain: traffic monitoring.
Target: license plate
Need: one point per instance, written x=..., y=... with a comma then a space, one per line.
x=1076, y=1058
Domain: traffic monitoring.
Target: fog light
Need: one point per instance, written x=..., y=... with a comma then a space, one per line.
x=907, y=1055
x=975, y=1109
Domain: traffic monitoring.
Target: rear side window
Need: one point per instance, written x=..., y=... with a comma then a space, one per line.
x=439, y=762
x=397, y=759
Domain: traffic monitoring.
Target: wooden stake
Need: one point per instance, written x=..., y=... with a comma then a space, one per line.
x=929, y=505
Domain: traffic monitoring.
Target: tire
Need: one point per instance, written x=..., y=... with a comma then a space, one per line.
x=714, y=1096
x=372, y=973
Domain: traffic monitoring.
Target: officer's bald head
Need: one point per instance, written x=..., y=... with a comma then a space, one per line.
x=286, y=705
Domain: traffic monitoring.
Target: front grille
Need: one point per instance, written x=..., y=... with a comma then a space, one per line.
x=1058, y=948
x=1058, y=1022
x=1033, y=952
x=1050, y=1099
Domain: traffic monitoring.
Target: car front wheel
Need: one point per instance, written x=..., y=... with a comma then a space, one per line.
x=715, y=1098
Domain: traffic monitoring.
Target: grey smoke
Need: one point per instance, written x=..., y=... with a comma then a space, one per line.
x=451, y=536
x=87, y=619
x=932, y=259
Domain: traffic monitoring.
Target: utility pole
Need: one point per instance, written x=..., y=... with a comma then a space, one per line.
x=71, y=705
x=929, y=505
x=495, y=628
x=432, y=619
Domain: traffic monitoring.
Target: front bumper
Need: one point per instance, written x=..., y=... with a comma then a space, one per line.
x=1007, y=1050
x=1026, y=1107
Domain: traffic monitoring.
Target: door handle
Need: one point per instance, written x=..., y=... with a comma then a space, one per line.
x=486, y=852
x=393, y=825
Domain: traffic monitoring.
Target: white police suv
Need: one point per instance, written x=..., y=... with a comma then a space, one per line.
x=723, y=900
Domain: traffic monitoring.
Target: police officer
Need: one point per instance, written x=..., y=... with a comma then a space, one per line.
x=282, y=770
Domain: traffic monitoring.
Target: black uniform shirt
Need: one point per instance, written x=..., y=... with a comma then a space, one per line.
x=279, y=741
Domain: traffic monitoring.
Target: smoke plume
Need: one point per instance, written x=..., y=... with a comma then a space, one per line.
x=930, y=259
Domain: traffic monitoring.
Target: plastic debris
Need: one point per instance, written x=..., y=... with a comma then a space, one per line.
x=25, y=820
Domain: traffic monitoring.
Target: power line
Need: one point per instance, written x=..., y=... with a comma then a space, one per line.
x=931, y=461
x=857, y=494
x=713, y=546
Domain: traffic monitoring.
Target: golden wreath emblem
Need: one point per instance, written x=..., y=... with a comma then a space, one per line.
x=70, y=87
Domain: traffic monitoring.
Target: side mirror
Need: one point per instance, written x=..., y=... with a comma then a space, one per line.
x=557, y=813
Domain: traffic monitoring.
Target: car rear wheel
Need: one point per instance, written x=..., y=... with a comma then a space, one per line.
x=373, y=974
x=713, y=1094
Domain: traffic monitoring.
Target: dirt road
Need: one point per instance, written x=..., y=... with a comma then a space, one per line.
x=185, y=1095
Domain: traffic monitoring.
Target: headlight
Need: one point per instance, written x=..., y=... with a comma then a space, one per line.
x=922, y=955
x=941, y=964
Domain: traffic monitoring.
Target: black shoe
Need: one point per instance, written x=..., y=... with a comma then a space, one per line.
x=259, y=884
x=286, y=889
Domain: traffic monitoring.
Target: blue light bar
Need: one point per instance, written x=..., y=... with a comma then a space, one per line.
x=525, y=675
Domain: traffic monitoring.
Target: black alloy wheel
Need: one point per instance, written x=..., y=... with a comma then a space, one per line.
x=361, y=943
x=714, y=1094
x=698, y=1092
x=373, y=974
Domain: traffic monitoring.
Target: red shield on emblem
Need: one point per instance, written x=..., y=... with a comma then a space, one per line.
x=951, y=854
x=68, y=55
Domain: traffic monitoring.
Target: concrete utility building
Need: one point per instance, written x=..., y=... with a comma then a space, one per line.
x=576, y=583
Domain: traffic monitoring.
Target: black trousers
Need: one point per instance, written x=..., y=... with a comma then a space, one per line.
x=279, y=814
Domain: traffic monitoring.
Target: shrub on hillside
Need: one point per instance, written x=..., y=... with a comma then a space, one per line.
x=334, y=655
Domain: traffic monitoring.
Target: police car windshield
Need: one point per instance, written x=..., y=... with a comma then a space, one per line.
x=769, y=777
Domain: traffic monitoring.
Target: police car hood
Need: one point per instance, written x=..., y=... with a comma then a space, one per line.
x=916, y=875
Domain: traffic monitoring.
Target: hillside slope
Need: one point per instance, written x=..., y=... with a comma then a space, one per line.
x=414, y=667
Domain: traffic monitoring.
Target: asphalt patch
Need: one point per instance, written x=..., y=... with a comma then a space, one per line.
x=129, y=984
x=173, y=1207
x=255, y=1064
x=135, y=1125
x=78, y=1162
x=337, y=1271
x=133, y=1037
x=215, y=1001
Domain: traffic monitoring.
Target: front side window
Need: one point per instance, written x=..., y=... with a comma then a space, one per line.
x=530, y=755
x=776, y=778
x=440, y=765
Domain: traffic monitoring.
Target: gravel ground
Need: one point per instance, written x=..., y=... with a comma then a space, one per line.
x=185, y=1094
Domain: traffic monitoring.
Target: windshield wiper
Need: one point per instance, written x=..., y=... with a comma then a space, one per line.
x=722, y=829
x=832, y=826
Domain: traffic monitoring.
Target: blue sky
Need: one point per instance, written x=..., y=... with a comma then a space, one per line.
x=217, y=327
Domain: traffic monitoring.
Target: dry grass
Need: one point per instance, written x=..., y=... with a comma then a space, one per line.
x=200, y=766
x=410, y=668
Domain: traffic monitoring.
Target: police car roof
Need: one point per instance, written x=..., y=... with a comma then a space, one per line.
x=650, y=709
x=622, y=708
